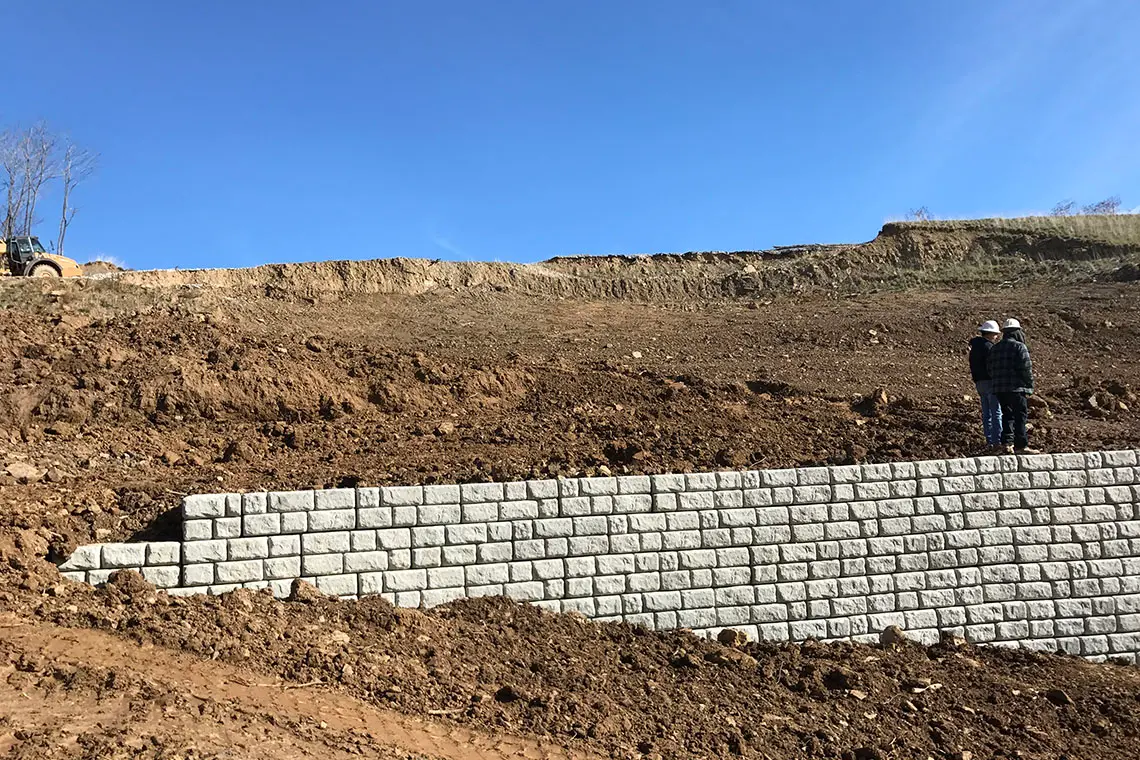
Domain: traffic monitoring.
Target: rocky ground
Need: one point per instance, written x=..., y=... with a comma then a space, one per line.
x=120, y=398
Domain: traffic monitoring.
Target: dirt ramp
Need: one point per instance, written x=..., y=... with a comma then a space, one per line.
x=117, y=698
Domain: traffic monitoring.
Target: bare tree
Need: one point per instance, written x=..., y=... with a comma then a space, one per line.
x=13, y=179
x=29, y=161
x=1066, y=207
x=38, y=152
x=1107, y=206
x=76, y=165
x=920, y=214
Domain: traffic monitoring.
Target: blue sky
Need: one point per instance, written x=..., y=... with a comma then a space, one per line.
x=238, y=133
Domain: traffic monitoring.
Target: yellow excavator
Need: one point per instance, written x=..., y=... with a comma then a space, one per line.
x=27, y=257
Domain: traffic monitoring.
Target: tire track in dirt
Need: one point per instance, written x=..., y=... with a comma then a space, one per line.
x=276, y=704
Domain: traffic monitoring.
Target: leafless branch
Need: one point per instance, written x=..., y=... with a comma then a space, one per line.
x=76, y=165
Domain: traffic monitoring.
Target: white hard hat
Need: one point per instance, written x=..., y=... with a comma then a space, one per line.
x=989, y=326
x=1011, y=324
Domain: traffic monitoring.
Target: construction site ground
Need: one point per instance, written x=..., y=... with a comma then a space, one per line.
x=121, y=397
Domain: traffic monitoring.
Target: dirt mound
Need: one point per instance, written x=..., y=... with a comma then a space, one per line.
x=101, y=266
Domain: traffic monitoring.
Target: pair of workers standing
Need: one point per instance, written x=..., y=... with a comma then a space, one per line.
x=1003, y=373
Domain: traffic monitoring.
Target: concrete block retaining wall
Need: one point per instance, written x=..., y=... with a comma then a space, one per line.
x=1039, y=551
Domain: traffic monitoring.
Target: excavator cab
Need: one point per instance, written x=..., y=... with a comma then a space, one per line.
x=27, y=257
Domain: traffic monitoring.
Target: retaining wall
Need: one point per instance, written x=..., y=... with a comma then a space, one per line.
x=1039, y=551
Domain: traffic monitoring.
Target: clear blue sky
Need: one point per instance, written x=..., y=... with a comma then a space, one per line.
x=237, y=133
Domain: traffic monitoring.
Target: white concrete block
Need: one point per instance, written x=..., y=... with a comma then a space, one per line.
x=441, y=494
x=475, y=493
x=238, y=572
x=335, y=498
x=292, y=501
x=365, y=561
x=282, y=568
x=326, y=543
x=197, y=530
x=484, y=575
x=294, y=522
x=227, y=527
x=427, y=536
x=338, y=585
x=123, y=555
x=322, y=564
x=203, y=506
x=83, y=558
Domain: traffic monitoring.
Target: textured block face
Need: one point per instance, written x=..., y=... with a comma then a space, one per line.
x=197, y=530
x=261, y=524
x=227, y=527
x=338, y=585
x=283, y=568
x=405, y=580
x=332, y=519
x=204, y=506
x=254, y=503
x=294, y=522
x=326, y=543
x=322, y=564
x=402, y=496
x=292, y=501
x=335, y=498
x=162, y=577
x=123, y=555
x=478, y=493
x=84, y=558
x=281, y=546
x=247, y=548
x=239, y=572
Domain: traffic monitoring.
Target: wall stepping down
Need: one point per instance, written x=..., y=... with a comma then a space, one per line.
x=1038, y=551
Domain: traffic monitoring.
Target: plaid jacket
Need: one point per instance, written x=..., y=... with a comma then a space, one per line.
x=1011, y=369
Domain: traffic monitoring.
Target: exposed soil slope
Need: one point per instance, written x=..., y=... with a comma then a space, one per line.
x=1069, y=247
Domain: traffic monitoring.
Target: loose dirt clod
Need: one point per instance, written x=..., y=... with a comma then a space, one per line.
x=892, y=636
x=732, y=637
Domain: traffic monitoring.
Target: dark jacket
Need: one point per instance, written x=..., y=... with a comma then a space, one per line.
x=979, y=354
x=1009, y=365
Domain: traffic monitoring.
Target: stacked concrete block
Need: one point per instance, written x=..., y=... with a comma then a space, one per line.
x=159, y=562
x=1040, y=551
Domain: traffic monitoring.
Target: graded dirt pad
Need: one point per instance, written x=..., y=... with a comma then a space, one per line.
x=122, y=395
x=507, y=670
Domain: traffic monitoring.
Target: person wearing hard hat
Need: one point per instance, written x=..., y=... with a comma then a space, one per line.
x=1011, y=380
x=988, y=334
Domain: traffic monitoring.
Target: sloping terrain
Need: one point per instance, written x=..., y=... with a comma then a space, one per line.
x=905, y=252
x=122, y=392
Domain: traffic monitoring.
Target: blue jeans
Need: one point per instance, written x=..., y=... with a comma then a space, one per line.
x=991, y=413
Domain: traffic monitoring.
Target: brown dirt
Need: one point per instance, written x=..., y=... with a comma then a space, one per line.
x=100, y=267
x=125, y=701
x=121, y=397
x=610, y=689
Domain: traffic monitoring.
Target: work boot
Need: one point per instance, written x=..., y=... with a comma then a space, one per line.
x=1006, y=449
x=1027, y=450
